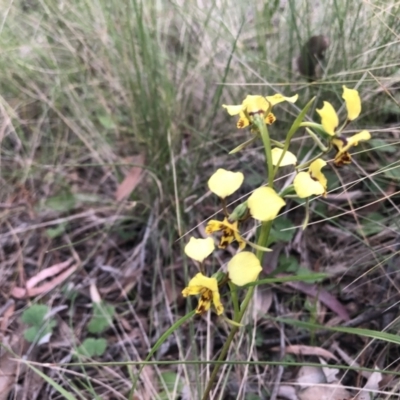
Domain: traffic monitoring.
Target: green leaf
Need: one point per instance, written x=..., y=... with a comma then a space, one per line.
x=36, y=333
x=382, y=146
x=384, y=336
x=168, y=380
x=293, y=129
x=39, y=326
x=374, y=225
x=65, y=201
x=243, y=145
x=288, y=264
x=59, y=230
x=55, y=385
x=312, y=277
x=392, y=172
x=34, y=315
x=102, y=317
x=106, y=122
x=31, y=334
x=279, y=232
x=92, y=347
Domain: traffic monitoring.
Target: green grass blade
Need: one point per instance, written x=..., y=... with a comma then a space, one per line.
x=387, y=337
x=55, y=385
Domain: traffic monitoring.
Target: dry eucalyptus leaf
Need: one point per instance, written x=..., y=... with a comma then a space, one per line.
x=263, y=301
x=370, y=388
x=328, y=392
x=287, y=392
x=309, y=376
x=330, y=373
x=307, y=350
x=131, y=180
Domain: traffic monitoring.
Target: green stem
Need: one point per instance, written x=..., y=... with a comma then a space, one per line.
x=267, y=148
x=262, y=241
x=235, y=300
x=316, y=140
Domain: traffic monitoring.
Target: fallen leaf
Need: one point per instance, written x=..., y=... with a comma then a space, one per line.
x=307, y=350
x=329, y=392
x=370, y=388
x=31, y=290
x=263, y=300
x=131, y=180
x=309, y=375
x=348, y=360
x=287, y=392
x=323, y=296
x=330, y=373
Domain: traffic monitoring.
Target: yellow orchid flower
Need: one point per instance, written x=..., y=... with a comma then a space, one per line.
x=329, y=118
x=288, y=159
x=207, y=288
x=230, y=232
x=330, y=122
x=343, y=144
x=244, y=268
x=312, y=182
x=254, y=104
x=353, y=103
x=199, y=249
x=223, y=183
x=264, y=204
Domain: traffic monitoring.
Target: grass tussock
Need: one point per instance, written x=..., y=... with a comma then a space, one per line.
x=89, y=91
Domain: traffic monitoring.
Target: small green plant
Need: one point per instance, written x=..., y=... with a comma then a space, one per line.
x=92, y=347
x=40, y=324
x=102, y=317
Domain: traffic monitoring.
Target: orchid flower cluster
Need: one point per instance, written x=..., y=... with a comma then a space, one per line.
x=265, y=203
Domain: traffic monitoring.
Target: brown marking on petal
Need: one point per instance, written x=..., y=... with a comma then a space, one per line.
x=313, y=177
x=204, y=301
x=225, y=241
x=270, y=119
x=208, y=230
x=243, y=122
x=342, y=159
x=201, y=309
x=206, y=295
x=256, y=112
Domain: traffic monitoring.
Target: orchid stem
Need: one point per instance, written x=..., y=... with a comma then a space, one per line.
x=262, y=242
x=267, y=148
